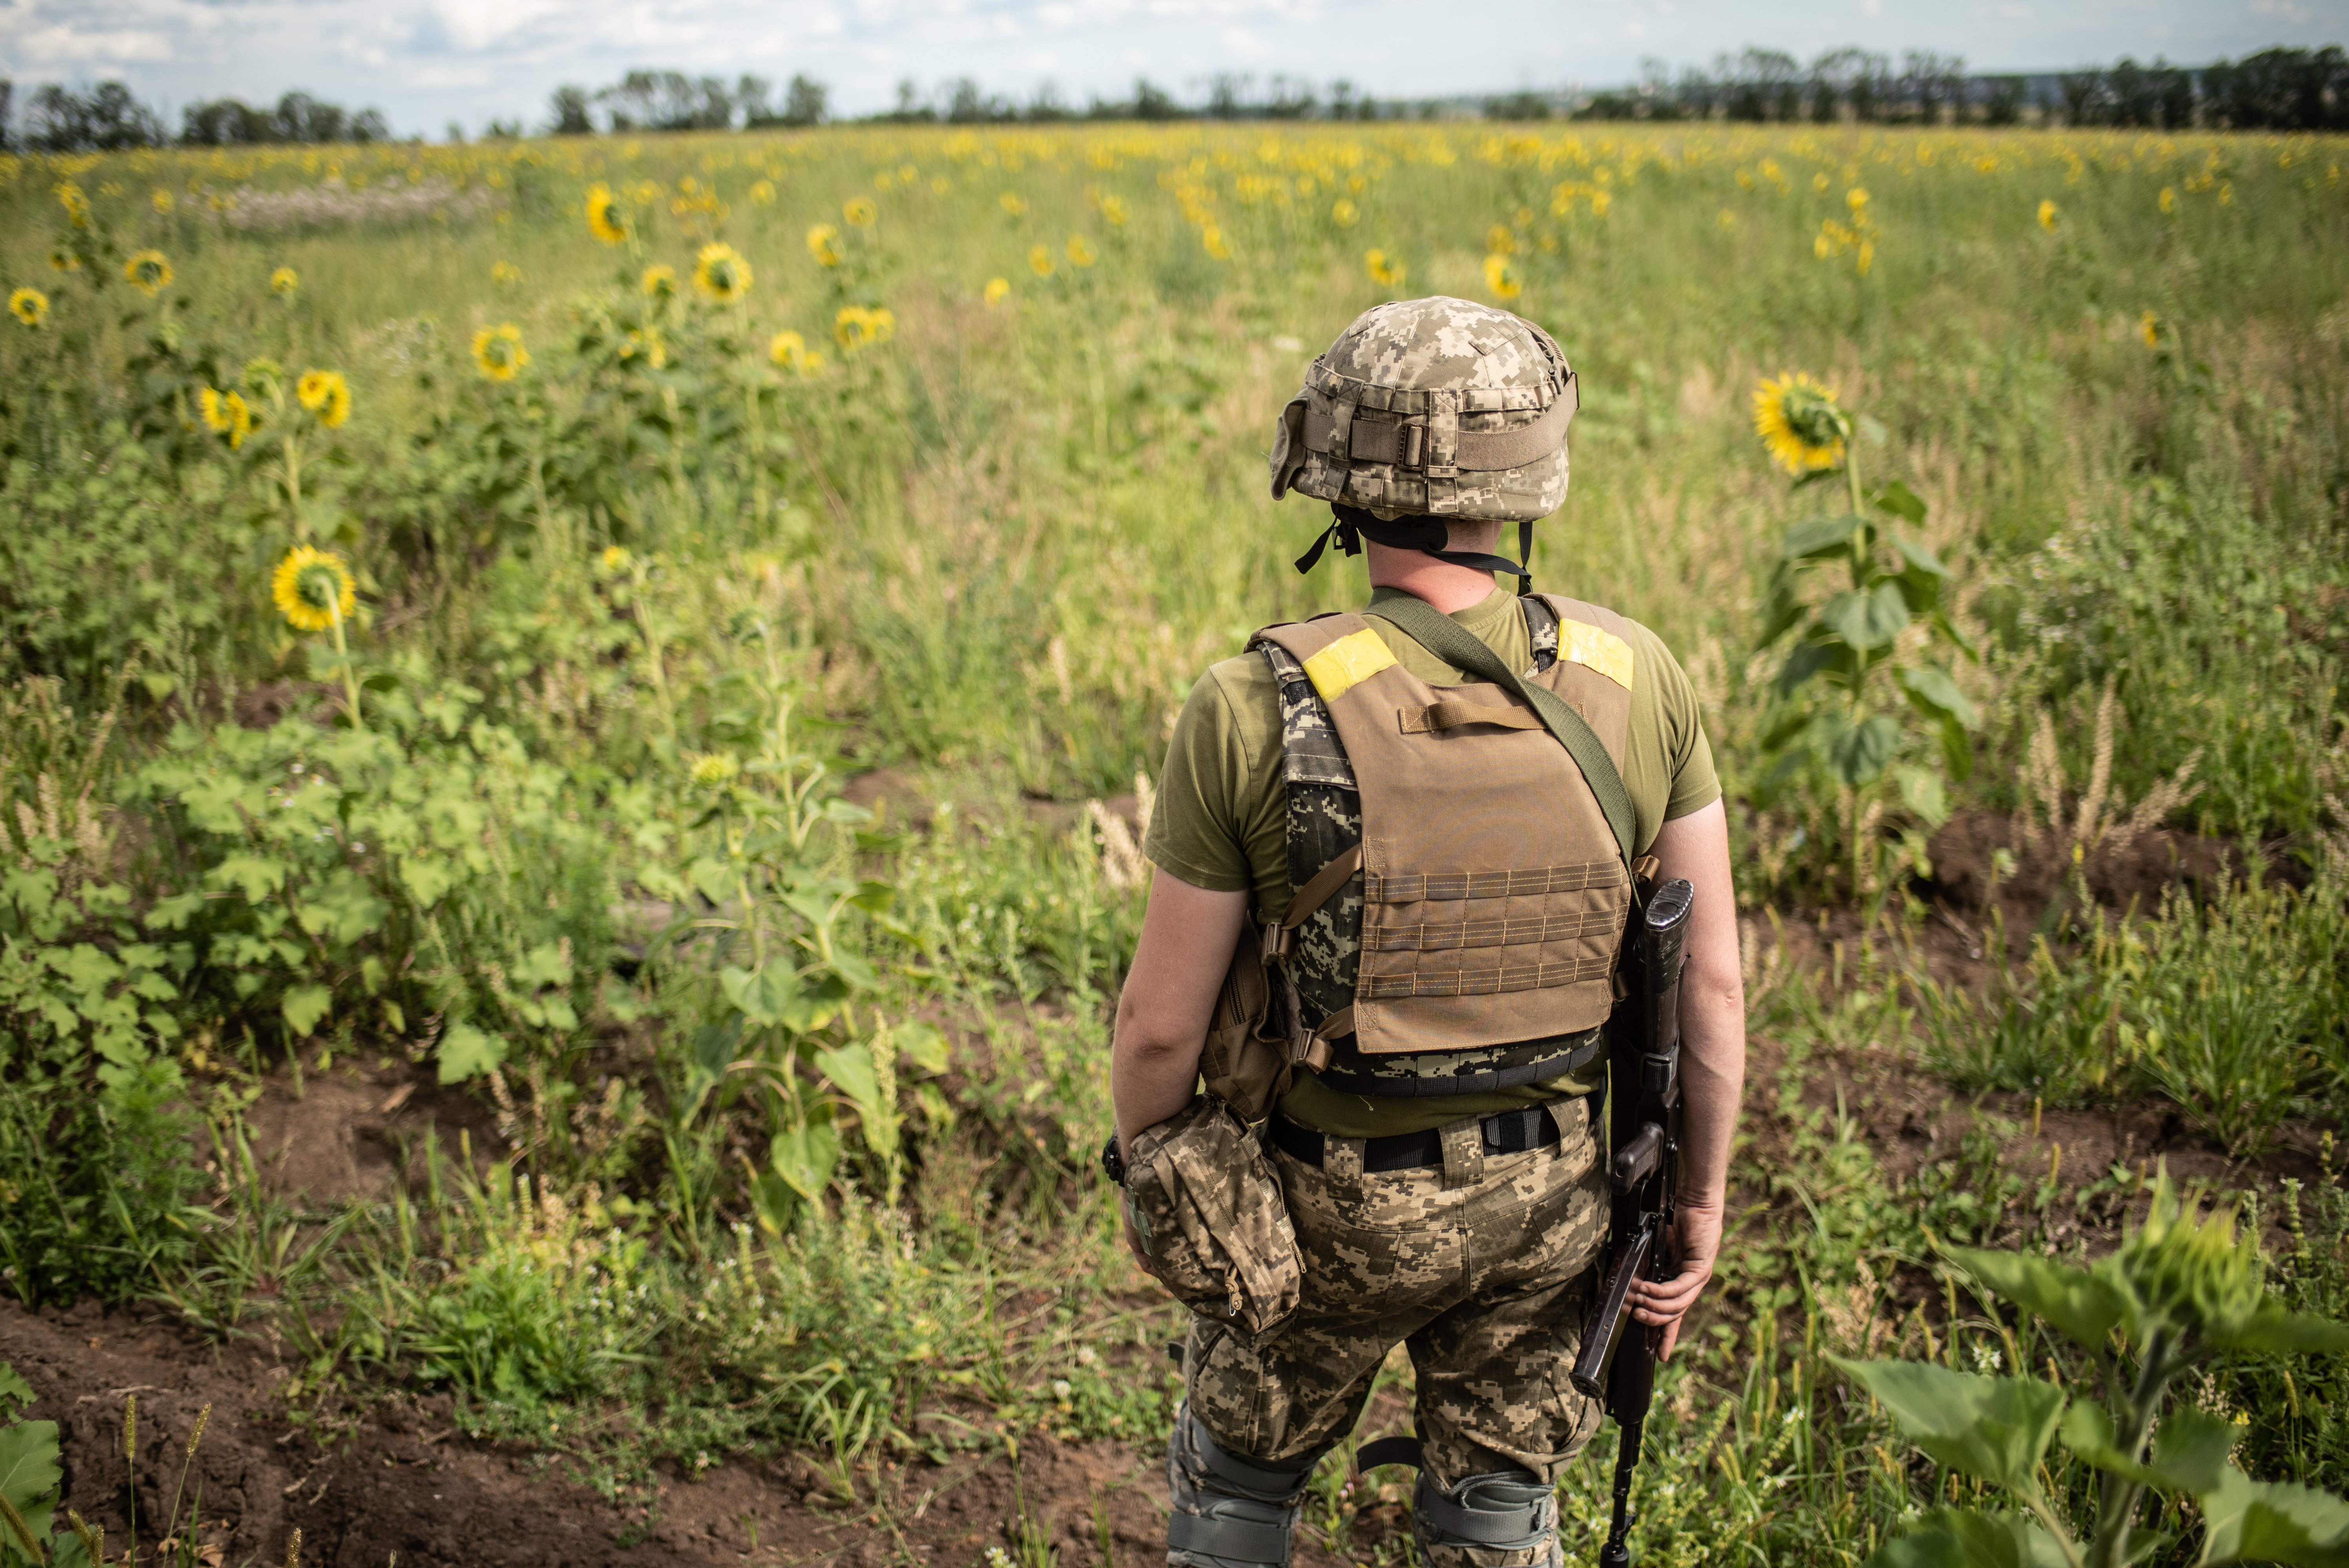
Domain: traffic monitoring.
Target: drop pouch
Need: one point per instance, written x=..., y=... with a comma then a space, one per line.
x=1206, y=1204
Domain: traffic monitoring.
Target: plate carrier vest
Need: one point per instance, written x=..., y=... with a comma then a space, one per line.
x=1460, y=898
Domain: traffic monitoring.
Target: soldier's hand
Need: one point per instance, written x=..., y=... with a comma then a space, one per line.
x=1134, y=1242
x=1696, y=1241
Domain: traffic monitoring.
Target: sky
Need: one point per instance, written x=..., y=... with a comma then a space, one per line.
x=429, y=63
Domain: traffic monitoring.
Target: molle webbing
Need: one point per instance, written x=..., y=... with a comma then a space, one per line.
x=1473, y=948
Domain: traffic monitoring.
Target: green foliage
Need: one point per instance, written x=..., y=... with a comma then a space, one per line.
x=2181, y=1289
x=2232, y=1007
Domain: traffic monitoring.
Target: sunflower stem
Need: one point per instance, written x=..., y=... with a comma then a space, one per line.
x=343, y=653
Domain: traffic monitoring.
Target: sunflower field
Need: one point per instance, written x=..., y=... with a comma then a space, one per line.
x=651, y=653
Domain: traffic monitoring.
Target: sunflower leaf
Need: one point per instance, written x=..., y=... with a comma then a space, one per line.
x=1818, y=536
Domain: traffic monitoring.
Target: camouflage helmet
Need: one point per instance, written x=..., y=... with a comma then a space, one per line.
x=1432, y=407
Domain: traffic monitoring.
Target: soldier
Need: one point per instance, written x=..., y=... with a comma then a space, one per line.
x=1443, y=886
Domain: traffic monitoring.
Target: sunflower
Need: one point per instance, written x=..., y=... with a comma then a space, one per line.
x=787, y=348
x=1343, y=212
x=2167, y=201
x=714, y=769
x=499, y=352
x=29, y=305
x=614, y=558
x=1501, y=277
x=1211, y=239
x=314, y=588
x=163, y=202
x=1014, y=203
x=2149, y=327
x=505, y=272
x=1112, y=212
x=855, y=328
x=720, y=272
x=149, y=272
x=325, y=394
x=660, y=282
x=860, y=212
x=1081, y=251
x=646, y=344
x=1039, y=261
x=283, y=282
x=1385, y=271
x=762, y=194
x=227, y=414
x=2047, y=216
x=603, y=219
x=824, y=245
x=1500, y=242
x=1798, y=419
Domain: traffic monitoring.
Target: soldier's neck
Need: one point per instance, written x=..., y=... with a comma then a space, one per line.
x=1449, y=588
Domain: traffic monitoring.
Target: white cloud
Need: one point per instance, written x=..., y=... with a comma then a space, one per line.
x=68, y=46
x=478, y=23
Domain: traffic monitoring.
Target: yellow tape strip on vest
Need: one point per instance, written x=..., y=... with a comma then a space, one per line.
x=1580, y=642
x=1336, y=669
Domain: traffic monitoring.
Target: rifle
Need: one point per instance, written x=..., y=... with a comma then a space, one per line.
x=1618, y=1361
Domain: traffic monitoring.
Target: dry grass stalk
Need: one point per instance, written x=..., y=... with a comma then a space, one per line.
x=1121, y=862
x=2095, y=822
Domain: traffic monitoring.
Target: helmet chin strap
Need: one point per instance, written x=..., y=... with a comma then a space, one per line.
x=1350, y=525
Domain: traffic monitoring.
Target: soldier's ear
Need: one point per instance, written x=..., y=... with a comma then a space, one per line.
x=1288, y=446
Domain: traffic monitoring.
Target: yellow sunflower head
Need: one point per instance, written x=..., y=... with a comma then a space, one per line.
x=1013, y=202
x=720, y=272
x=995, y=290
x=227, y=414
x=499, y=352
x=1501, y=277
x=1343, y=212
x=1385, y=271
x=2149, y=327
x=860, y=212
x=1081, y=251
x=1798, y=420
x=149, y=272
x=313, y=589
x=1112, y=212
x=283, y=282
x=325, y=394
x=505, y=273
x=1039, y=261
x=787, y=350
x=824, y=245
x=163, y=201
x=605, y=219
x=2047, y=211
x=1500, y=240
x=29, y=305
x=660, y=282
x=616, y=558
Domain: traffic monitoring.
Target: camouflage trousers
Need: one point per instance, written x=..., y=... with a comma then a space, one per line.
x=1481, y=1268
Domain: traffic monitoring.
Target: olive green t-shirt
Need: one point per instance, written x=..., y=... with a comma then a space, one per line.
x=1220, y=821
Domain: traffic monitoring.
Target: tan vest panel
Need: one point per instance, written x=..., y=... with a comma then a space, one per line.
x=1494, y=893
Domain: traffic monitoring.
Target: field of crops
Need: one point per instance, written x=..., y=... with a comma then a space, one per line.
x=574, y=717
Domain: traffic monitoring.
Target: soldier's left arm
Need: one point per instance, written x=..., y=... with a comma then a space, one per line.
x=1713, y=1059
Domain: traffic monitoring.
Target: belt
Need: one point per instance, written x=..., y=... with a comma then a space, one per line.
x=1510, y=1132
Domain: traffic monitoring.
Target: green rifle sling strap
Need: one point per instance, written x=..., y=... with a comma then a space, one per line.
x=1448, y=640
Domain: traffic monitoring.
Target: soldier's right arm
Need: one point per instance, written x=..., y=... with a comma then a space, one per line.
x=1187, y=937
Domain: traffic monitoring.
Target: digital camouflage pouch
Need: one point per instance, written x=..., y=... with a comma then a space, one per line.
x=1205, y=1202
x=1246, y=1060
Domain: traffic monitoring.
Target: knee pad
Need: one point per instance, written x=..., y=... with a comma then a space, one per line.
x=1229, y=1511
x=1508, y=1518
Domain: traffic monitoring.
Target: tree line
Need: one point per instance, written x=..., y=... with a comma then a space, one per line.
x=2275, y=90
x=108, y=117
